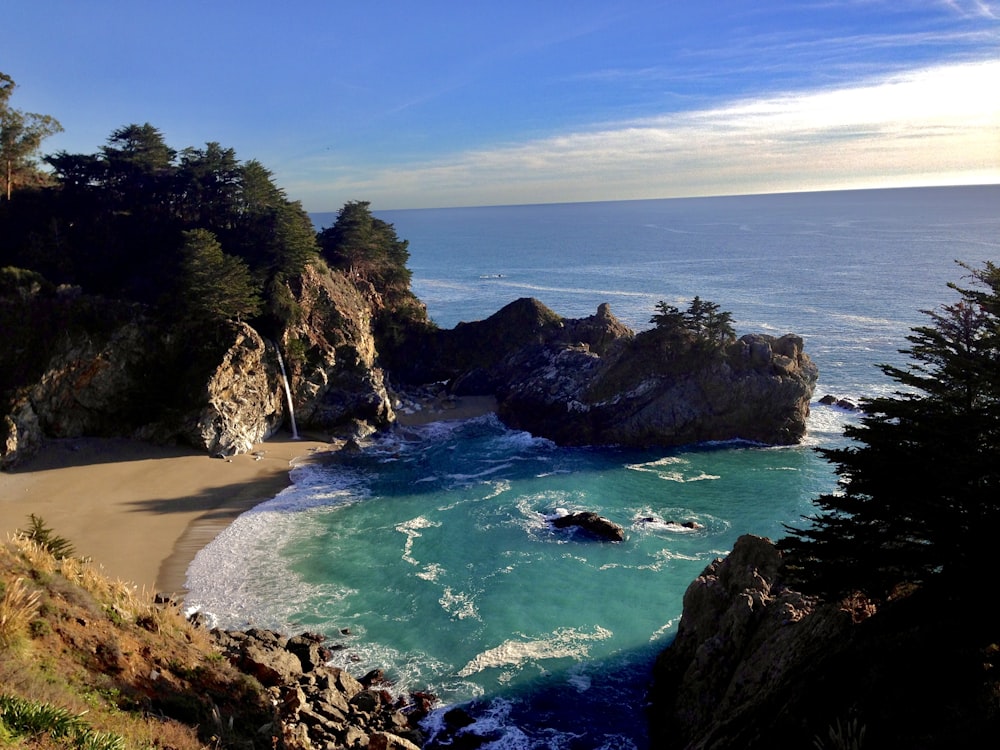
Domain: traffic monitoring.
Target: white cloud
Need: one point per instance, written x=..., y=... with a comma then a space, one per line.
x=937, y=125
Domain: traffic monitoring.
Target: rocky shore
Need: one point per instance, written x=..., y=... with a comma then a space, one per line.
x=320, y=706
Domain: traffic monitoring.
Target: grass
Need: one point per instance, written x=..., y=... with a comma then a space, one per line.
x=18, y=607
x=25, y=718
x=87, y=661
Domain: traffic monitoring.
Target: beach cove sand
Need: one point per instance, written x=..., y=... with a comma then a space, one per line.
x=143, y=511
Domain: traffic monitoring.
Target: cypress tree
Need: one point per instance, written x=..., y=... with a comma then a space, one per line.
x=918, y=497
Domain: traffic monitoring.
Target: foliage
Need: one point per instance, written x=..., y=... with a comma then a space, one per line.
x=366, y=247
x=702, y=319
x=37, y=532
x=215, y=285
x=847, y=736
x=919, y=489
x=33, y=719
x=115, y=222
x=21, y=136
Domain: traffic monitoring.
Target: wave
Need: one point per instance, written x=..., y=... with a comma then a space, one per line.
x=563, y=643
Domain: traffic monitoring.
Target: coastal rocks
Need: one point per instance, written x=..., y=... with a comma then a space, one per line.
x=323, y=706
x=591, y=523
x=79, y=365
x=658, y=390
x=242, y=400
x=332, y=357
x=843, y=403
x=746, y=647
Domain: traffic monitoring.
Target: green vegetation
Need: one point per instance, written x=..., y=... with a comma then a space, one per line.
x=90, y=663
x=918, y=502
x=21, y=136
x=19, y=717
x=703, y=321
x=40, y=534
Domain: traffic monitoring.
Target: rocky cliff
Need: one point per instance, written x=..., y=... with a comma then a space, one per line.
x=80, y=365
x=87, y=366
x=756, y=664
x=593, y=381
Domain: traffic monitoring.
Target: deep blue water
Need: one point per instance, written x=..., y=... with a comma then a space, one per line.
x=432, y=545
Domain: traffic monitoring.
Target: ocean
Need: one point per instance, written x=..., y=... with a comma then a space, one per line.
x=432, y=548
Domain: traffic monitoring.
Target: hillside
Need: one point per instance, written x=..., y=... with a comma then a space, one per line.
x=89, y=662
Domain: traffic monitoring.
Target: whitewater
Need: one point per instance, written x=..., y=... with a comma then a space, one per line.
x=432, y=547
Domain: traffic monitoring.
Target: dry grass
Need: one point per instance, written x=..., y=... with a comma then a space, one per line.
x=101, y=647
x=18, y=608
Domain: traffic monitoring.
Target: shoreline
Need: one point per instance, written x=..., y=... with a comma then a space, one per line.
x=142, y=511
x=136, y=508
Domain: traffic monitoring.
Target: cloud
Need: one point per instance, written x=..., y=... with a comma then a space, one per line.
x=933, y=125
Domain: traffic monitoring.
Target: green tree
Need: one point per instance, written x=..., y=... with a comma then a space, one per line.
x=139, y=168
x=215, y=286
x=21, y=136
x=366, y=247
x=919, y=489
x=703, y=320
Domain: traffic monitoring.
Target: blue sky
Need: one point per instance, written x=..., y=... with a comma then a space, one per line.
x=428, y=103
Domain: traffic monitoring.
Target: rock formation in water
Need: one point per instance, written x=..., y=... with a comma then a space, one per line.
x=593, y=381
x=593, y=524
x=89, y=366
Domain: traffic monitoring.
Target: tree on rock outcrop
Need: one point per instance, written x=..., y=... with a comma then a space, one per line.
x=366, y=246
x=919, y=490
x=702, y=319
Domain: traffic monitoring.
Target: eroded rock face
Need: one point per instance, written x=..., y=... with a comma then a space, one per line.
x=335, y=373
x=112, y=371
x=648, y=390
x=243, y=399
x=744, y=647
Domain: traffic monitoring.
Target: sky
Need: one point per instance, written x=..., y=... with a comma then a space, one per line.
x=430, y=103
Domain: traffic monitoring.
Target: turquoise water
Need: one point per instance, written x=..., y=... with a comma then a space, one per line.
x=432, y=546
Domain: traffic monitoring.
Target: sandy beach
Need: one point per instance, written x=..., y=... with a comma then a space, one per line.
x=143, y=511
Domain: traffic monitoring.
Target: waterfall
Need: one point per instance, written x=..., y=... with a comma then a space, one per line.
x=288, y=393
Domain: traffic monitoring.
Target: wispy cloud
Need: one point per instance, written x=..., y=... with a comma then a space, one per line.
x=933, y=125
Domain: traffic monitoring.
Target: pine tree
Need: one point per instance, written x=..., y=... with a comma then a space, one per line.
x=919, y=490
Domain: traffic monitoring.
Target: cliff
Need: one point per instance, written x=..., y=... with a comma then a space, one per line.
x=84, y=365
x=91, y=366
x=756, y=664
x=593, y=381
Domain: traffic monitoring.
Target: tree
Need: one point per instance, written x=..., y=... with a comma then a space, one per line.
x=702, y=319
x=366, y=247
x=215, y=286
x=21, y=136
x=139, y=167
x=918, y=497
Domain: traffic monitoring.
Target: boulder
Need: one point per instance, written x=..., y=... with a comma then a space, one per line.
x=592, y=523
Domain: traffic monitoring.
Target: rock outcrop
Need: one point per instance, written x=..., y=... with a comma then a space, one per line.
x=320, y=705
x=757, y=664
x=593, y=381
x=80, y=365
x=87, y=366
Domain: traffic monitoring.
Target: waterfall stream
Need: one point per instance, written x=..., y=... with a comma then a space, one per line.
x=288, y=394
